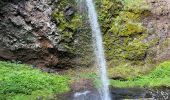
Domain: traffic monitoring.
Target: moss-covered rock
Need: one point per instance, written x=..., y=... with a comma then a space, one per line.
x=123, y=30
x=74, y=31
x=136, y=50
x=156, y=78
x=126, y=37
x=68, y=22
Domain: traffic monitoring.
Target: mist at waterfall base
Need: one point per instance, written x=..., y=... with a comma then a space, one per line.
x=98, y=49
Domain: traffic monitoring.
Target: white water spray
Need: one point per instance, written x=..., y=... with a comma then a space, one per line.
x=99, y=49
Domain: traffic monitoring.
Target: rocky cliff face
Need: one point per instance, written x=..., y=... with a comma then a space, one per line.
x=135, y=32
x=56, y=32
x=158, y=24
x=43, y=33
x=27, y=32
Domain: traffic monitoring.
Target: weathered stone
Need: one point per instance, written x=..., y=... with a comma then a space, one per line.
x=157, y=23
x=18, y=21
x=27, y=32
x=69, y=11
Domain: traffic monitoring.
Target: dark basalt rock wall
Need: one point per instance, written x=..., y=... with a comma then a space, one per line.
x=31, y=31
x=27, y=33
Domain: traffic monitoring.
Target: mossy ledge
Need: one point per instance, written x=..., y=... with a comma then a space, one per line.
x=159, y=77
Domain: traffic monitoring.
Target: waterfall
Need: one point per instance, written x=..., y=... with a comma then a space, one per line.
x=99, y=49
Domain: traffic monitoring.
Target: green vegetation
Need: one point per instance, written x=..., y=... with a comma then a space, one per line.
x=82, y=73
x=73, y=27
x=123, y=30
x=126, y=44
x=156, y=78
x=125, y=71
x=132, y=76
x=121, y=23
x=67, y=25
x=22, y=82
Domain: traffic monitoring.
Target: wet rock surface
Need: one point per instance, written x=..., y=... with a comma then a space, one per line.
x=121, y=94
x=139, y=93
x=84, y=95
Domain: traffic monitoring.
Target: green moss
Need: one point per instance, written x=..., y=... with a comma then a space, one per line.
x=127, y=24
x=127, y=16
x=74, y=31
x=136, y=50
x=136, y=6
x=164, y=44
x=67, y=28
x=123, y=30
x=124, y=70
x=18, y=82
x=156, y=78
x=107, y=10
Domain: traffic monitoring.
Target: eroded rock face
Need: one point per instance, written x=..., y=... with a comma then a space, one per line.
x=158, y=23
x=31, y=31
x=27, y=33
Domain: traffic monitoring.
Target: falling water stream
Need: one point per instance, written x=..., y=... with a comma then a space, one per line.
x=99, y=49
